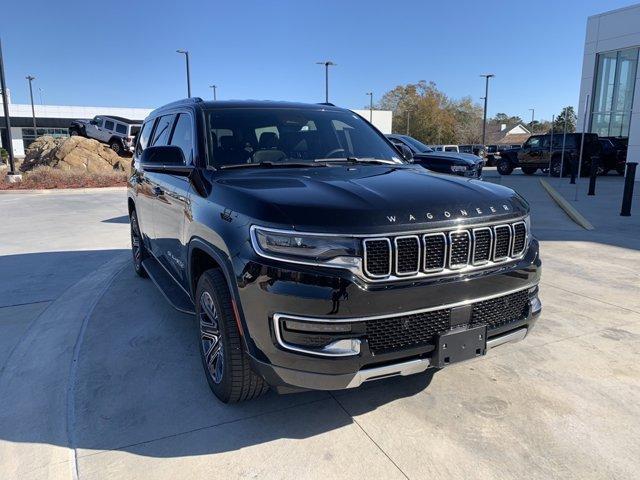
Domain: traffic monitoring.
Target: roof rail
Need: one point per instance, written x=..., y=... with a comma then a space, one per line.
x=183, y=101
x=328, y=104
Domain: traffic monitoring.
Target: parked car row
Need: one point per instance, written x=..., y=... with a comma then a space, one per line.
x=118, y=132
x=463, y=164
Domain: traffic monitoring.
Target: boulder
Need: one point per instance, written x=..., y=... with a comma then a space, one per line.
x=73, y=153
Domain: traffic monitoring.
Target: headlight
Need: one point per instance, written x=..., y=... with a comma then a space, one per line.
x=458, y=168
x=305, y=248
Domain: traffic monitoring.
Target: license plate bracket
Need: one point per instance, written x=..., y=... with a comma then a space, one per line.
x=460, y=344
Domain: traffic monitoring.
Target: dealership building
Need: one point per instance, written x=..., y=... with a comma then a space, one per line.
x=54, y=120
x=611, y=78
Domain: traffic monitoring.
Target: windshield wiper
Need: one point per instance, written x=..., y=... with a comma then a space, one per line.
x=273, y=165
x=357, y=160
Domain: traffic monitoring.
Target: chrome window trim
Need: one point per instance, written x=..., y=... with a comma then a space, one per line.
x=444, y=254
x=473, y=256
x=513, y=239
x=395, y=243
x=402, y=314
x=495, y=243
x=364, y=257
x=458, y=266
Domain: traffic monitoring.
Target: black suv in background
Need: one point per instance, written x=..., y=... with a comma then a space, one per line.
x=463, y=164
x=313, y=256
x=538, y=153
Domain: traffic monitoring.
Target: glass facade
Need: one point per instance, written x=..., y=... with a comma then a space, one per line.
x=28, y=137
x=613, y=92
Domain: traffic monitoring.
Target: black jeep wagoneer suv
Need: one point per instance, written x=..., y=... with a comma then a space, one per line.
x=314, y=256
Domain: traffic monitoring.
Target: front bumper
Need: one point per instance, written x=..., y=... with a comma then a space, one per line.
x=267, y=290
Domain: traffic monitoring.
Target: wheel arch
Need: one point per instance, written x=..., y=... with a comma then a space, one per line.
x=203, y=256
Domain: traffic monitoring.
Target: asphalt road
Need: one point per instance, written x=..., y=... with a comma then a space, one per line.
x=100, y=378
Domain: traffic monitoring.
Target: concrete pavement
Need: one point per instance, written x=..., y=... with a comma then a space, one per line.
x=100, y=378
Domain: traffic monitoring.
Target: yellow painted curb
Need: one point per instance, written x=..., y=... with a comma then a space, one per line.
x=566, y=206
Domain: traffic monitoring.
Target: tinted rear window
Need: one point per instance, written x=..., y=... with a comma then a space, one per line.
x=120, y=128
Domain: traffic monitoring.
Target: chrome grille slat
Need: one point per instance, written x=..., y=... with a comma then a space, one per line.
x=459, y=249
x=482, y=244
x=501, y=242
x=407, y=255
x=435, y=252
x=438, y=253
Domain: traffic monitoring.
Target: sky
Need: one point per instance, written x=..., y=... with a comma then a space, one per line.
x=123, y=54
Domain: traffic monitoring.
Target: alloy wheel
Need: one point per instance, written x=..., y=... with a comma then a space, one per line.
x=210, y=337
x=136, y=241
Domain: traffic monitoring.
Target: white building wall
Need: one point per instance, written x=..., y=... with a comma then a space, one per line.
x=382, y=119
x=614, y=30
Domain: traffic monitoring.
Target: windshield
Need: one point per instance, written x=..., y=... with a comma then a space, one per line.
x=418, y=145
x=241, y=136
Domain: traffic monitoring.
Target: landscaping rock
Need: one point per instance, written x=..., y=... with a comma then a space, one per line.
x=73, y=153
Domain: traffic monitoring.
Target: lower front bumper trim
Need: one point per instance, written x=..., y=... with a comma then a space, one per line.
x=397, y=369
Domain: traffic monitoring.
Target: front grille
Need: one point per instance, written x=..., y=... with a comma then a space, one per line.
x=502, y=236
x=459, y=246
x=408, y=255
x=497, y=312
x=400, y=333
x=482, y=246
x=377, y=257
x=420, y=329
x=519, y=238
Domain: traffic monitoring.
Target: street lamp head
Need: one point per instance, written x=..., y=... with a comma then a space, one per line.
x=327, y=63
x=182, y=51
x=488, y=75
x=30, y=77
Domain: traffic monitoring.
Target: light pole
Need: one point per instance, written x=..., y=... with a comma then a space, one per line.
x=370, y=107
x=33, y=109
x=486, y=76
x=186, y=57
x=533, y=114
x=214, y=87
x=327, y=64
x=7, y=119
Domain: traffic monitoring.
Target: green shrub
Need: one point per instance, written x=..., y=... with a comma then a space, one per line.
x=4, y=154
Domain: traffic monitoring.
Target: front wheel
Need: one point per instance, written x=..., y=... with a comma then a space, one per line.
x=138, y=250
x=226, y=365
x=504, y=167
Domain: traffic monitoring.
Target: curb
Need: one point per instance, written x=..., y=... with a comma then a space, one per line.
x=52, y=191
x=571, y=212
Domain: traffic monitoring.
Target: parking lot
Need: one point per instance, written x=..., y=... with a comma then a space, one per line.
x=101, y=378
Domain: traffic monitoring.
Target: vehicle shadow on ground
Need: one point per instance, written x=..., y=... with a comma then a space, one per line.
x=141, y=387
x=121, y=219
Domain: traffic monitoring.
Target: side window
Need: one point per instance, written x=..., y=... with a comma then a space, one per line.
x=533, y=142
x=97, y=121
x=108, y=125
x=183, y=136
x=163, y=129
x=143, y=138
x=121, y=128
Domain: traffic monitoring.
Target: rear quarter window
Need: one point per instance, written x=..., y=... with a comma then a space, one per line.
x=121, y=129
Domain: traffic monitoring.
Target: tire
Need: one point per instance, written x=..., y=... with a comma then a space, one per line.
x=529, y=170
x=116, y=146
x=226, y=365
x=555, y=166
x=138, y=250
x=504, y=167
x=74, y=133
x=621, y=169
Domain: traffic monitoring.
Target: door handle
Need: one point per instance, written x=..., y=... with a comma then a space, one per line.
x=157, y=191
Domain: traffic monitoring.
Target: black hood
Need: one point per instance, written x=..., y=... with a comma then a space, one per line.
x=364, y=198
